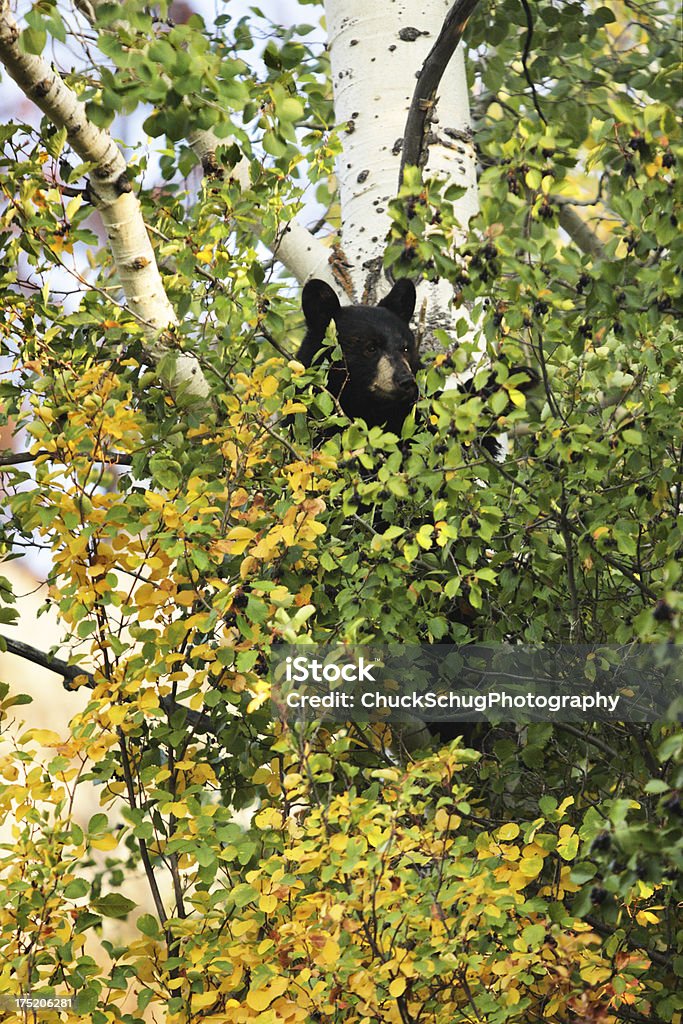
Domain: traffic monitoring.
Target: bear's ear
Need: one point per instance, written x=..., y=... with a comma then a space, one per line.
x=401, y=299
x=319, y=304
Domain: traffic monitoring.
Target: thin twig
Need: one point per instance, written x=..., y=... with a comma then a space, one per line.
x=276, y=344
x=525, y=58
x=142, y=845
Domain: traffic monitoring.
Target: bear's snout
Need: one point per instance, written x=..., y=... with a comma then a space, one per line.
x=393, y=378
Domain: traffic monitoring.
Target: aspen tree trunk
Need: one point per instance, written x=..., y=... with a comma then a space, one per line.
x=112, y=194
x=377, y=49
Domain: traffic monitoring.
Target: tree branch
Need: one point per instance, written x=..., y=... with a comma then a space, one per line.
x=525, y=58
x=112, y=194
x=62, y=668
x=428, y=81
x=580, y=232
x=142, y=845
x=16, y=458
x=199, y=722
x=19, y=458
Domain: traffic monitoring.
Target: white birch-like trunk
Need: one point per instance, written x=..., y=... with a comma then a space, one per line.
x=114, y=198
x=377, y=49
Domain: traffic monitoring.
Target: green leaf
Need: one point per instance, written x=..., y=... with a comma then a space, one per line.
x=79, y=887
x=291, y=109
x=114, y=904
x=148, y=925
x=33, y=40
x=86, y=1000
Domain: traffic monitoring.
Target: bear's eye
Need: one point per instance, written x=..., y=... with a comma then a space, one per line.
x=371, y=347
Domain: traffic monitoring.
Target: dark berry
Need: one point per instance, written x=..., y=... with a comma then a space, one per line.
x=662, y=612
x=601, y=843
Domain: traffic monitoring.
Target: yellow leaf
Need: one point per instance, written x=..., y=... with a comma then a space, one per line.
x=531, y=866
x=261, y=998
x=204, y=255
x=117, y=714
x=329, y=954
x=517, y=398
x=46, y=737
x=149, y=699
x=108, y=842
x=200, y=1000
x=267, y=904
x=595, y=974
x=443, y=821
x=73, y=205
x=269, y=386
x=397, y=987
x=508, y=831
x=155, y=501
x=270, y=817
x=240, y=928
x=239, y=538
x=248, y=566
x=568, y=844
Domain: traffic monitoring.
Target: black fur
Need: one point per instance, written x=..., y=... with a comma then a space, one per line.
x=376, y=379
x=373, y=338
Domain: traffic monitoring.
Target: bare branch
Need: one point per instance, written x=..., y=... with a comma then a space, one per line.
x=199, y=722
x=428, y=81
x=581, y=233
x=16, y=458
x=62, y=668
x=525, y=58
x=12, y=458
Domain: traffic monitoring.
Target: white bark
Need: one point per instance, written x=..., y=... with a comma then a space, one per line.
x=114, y=198
x=300, y=252
x=376, y=50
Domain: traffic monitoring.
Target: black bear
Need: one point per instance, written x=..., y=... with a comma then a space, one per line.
x=376, y=380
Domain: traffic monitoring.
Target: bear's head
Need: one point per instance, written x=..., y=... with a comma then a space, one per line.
x=376, y=379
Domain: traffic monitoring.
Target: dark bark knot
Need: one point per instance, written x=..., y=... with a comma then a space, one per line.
x=410, y=34
x=122, y=184
x=43, y=87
